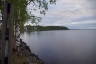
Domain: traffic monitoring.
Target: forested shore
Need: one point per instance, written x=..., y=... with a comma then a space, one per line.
x=44, y=28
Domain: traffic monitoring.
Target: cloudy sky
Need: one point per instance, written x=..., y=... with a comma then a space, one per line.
x=75, y=14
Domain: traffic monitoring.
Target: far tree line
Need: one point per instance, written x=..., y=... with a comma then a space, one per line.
x=30, y=28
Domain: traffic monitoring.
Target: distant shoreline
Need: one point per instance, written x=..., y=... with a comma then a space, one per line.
x=44, y=28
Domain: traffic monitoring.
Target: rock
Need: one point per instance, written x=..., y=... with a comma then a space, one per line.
x=25, y=56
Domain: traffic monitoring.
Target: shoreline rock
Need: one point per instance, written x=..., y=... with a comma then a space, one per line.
x=23, y=55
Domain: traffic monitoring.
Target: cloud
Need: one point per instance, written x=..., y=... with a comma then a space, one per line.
x=71, y=13
x=84, y=22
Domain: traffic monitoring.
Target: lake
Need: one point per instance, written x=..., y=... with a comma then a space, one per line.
x=63, y=46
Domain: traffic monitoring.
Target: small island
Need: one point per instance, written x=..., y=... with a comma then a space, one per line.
x=44, y=28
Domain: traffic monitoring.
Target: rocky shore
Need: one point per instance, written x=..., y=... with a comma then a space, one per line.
x=23, y=55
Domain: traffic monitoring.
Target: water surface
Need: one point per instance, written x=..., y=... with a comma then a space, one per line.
x=63, y=47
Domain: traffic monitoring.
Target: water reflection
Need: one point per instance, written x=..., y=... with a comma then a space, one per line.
x=64, y=47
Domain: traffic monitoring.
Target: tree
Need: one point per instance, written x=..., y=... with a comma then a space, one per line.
x=14, y=14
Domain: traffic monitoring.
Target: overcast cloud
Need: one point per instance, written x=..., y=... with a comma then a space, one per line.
x=75, y=14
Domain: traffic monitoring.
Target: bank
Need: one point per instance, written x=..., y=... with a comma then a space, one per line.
x=23, y=55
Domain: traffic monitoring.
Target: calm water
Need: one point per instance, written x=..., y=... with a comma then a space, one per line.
x=63, y=47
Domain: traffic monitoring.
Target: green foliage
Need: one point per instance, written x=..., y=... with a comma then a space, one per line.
x=44, y=28
x=21, y=13
x=35, y=19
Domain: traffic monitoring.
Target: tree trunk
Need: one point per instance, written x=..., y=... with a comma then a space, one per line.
x=11, y=34
x=4, y=18
x=7, y=32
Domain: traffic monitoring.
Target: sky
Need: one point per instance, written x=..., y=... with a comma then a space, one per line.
x=74, y=14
